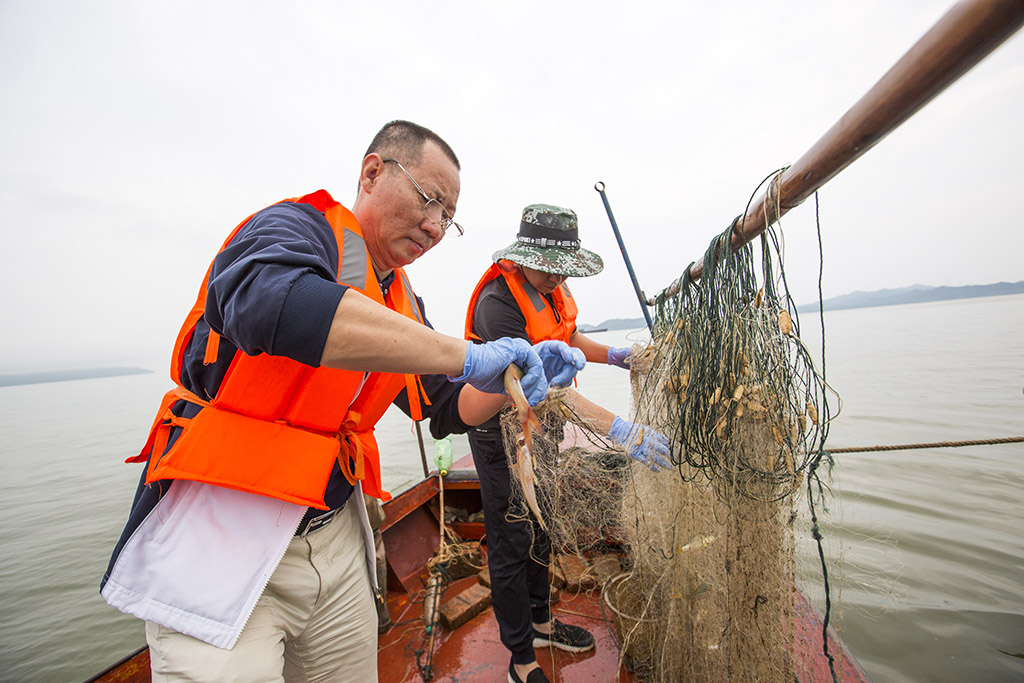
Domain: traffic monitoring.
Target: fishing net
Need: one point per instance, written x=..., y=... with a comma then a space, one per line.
x=709, y=592
x=574, y=469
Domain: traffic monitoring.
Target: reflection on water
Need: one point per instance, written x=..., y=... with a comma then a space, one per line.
x=930, y=539
x=925, y=546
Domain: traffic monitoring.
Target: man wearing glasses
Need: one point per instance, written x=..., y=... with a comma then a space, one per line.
x=247, y=550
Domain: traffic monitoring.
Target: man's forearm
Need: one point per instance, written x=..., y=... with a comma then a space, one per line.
x=476, y=407
x=369, y=337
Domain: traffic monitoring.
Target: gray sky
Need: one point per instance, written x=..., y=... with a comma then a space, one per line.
x=135, y=135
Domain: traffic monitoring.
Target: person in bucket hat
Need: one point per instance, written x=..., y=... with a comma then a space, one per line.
x=524, y=294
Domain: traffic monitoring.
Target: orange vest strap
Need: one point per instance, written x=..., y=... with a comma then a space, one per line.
x=186, y=395
x=351, y=458
x=423, y=391
x=212, y=346
x=165, y=419
x=416, y=393
x=161, y=430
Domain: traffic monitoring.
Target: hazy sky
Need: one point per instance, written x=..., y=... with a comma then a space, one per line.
x=135, y=135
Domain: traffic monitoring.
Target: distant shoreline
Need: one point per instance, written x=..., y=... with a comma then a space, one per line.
x=67, y=375
x=915, y=294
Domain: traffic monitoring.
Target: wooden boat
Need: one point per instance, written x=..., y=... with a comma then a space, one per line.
x=473, y=651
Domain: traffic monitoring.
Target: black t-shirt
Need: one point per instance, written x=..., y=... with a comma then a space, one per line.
x=498, y=315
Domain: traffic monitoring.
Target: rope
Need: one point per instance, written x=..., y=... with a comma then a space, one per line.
x=937, y=444
x=813, y=469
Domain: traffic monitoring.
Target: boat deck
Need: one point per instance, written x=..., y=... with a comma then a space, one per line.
x=473, y=652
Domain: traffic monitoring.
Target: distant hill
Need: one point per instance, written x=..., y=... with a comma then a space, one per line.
x=67, y=375
x=614, y=324
x=915, y=294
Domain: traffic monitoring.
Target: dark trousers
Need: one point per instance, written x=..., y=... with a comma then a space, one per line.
x=518, y=551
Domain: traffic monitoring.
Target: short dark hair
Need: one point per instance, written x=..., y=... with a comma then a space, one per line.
x=404, y=140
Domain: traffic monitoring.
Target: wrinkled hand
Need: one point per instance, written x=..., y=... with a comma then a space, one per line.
x=486, y=363
x=642, y=443
x=561, y=361
x=619, y=356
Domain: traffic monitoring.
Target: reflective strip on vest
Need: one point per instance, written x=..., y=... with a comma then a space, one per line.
x=539, y=303
x=413, y=304
x=352, y=270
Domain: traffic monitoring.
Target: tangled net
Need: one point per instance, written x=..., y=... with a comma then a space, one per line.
x=576, y=470
x=710, y=590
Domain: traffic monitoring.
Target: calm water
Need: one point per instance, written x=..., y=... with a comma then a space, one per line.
x=926, y=546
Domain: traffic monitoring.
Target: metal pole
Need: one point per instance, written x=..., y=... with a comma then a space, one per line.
x=599, y=186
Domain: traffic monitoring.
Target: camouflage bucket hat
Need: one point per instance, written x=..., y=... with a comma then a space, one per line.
x=549, y=241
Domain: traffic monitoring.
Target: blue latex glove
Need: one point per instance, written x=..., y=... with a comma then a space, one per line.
x=619, y=356
x=486, y=363
x=561, y=361
x=653, y=449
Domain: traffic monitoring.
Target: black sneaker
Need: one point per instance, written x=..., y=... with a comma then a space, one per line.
x=536, y=676
x=565, y=637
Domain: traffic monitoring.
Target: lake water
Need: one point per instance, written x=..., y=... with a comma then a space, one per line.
x=926, y=547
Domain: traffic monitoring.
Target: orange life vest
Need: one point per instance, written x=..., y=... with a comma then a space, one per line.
x=542, y=321
x=276, y=426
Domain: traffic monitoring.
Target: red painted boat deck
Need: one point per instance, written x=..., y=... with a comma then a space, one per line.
x=473, y=651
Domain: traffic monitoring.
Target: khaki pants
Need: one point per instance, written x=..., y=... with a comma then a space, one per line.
x=316, y=621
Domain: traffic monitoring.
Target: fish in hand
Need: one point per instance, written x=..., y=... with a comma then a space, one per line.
x=530, y=424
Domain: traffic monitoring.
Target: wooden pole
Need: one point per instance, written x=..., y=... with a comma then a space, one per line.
x=962, y=38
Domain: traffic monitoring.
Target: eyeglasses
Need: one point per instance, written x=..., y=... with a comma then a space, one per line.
x=433, y=208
